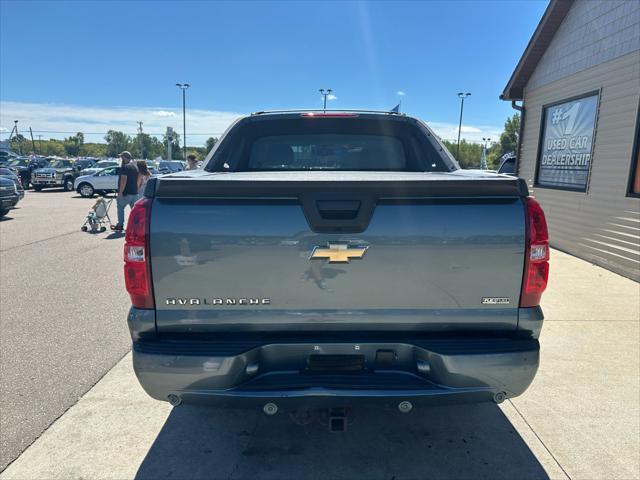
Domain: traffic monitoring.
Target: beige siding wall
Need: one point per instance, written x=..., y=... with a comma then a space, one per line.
x=593, y=32
x=603, y=224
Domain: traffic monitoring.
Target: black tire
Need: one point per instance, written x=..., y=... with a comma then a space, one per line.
x=37, y=188
x=3, y=212
x=68, y=184
x=86, y=190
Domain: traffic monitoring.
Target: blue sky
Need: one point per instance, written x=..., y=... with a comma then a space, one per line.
x=92, y=65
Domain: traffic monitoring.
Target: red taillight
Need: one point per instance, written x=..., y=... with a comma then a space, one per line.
x=536, y=264
x=137, y=274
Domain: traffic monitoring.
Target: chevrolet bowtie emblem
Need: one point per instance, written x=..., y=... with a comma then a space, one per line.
x=338, y=253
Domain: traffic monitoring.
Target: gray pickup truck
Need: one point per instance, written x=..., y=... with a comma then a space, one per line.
x=325, y=259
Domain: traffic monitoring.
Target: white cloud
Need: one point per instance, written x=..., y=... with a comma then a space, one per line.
x=59, y=120
x=401, y=93
x=331, y=96
x=470, y=133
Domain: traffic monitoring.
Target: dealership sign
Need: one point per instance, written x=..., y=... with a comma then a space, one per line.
x=566, y=145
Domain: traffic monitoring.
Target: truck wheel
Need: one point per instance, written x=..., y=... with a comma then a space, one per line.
x=86, y=190
x=68, y=184
x=37, y=188
x=3, y=213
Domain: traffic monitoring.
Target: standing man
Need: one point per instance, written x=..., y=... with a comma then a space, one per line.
x=127, y=187
x=192, y=162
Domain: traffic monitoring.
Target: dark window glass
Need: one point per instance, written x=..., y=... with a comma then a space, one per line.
x=356, y=144
x=327, y=152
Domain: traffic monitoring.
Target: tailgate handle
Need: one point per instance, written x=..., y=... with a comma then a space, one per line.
x=338, y=209
x=338, y=212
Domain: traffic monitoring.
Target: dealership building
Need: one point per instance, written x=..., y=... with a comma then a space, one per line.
x=577, y=86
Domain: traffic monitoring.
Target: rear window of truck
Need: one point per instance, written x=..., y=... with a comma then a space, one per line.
x=327, y=152
x=345, y=144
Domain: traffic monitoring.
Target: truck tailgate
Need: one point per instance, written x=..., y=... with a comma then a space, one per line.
x=404, y=252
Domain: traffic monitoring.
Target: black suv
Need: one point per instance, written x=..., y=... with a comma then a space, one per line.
x=9, y=196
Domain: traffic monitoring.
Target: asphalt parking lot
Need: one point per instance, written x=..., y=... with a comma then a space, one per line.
x=63, y=305
x=580, y=419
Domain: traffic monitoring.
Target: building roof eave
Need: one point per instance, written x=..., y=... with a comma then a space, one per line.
x=551, y=20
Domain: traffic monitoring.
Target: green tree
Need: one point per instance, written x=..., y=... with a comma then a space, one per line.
x=209, y=144
x=49, y=148
x=72, y=145
x=509, y=138
x=469, y=156
x=93, y=150
x=151, y=146
x=117, y=142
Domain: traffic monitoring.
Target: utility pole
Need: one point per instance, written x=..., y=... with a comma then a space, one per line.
x=40, y=143
x=15, y=130
x=169, y=135
x=140, y=139
x=461, y=96
x=33, y=144
x=325, y=94
x=184, y=87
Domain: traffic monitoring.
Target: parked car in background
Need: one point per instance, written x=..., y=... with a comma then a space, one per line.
x=60, y=173
x=9, y=196
x=169, y=166
x=24, y=167
x=508, y=165
x=84, y=163
x=97, y=166
x=6, y=156
x=106, y=163
x=11, y=175
x=103, y=182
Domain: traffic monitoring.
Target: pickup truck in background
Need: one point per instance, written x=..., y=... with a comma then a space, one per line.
x=60, y=173
x=325, y=259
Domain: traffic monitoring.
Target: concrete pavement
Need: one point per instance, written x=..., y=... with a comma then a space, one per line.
x=580, y=419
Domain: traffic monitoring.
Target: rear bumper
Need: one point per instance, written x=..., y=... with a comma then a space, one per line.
x=423, y=371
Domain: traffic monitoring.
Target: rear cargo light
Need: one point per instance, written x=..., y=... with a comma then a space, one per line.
x=536, y=264
x=137, y=271
x=328, y=115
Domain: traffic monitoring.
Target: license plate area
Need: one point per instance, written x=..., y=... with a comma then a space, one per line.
x=335, y=363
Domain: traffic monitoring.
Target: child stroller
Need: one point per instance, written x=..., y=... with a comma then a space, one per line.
x=98, y=217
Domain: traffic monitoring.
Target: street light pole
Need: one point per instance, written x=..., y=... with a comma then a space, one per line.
x=483, y=158
x=325, y=94
x=183, y=87
x=140, y=139
x=461, y=96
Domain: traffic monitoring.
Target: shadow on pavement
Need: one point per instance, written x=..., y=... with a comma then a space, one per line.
x=456, y=442
x=114, y=235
